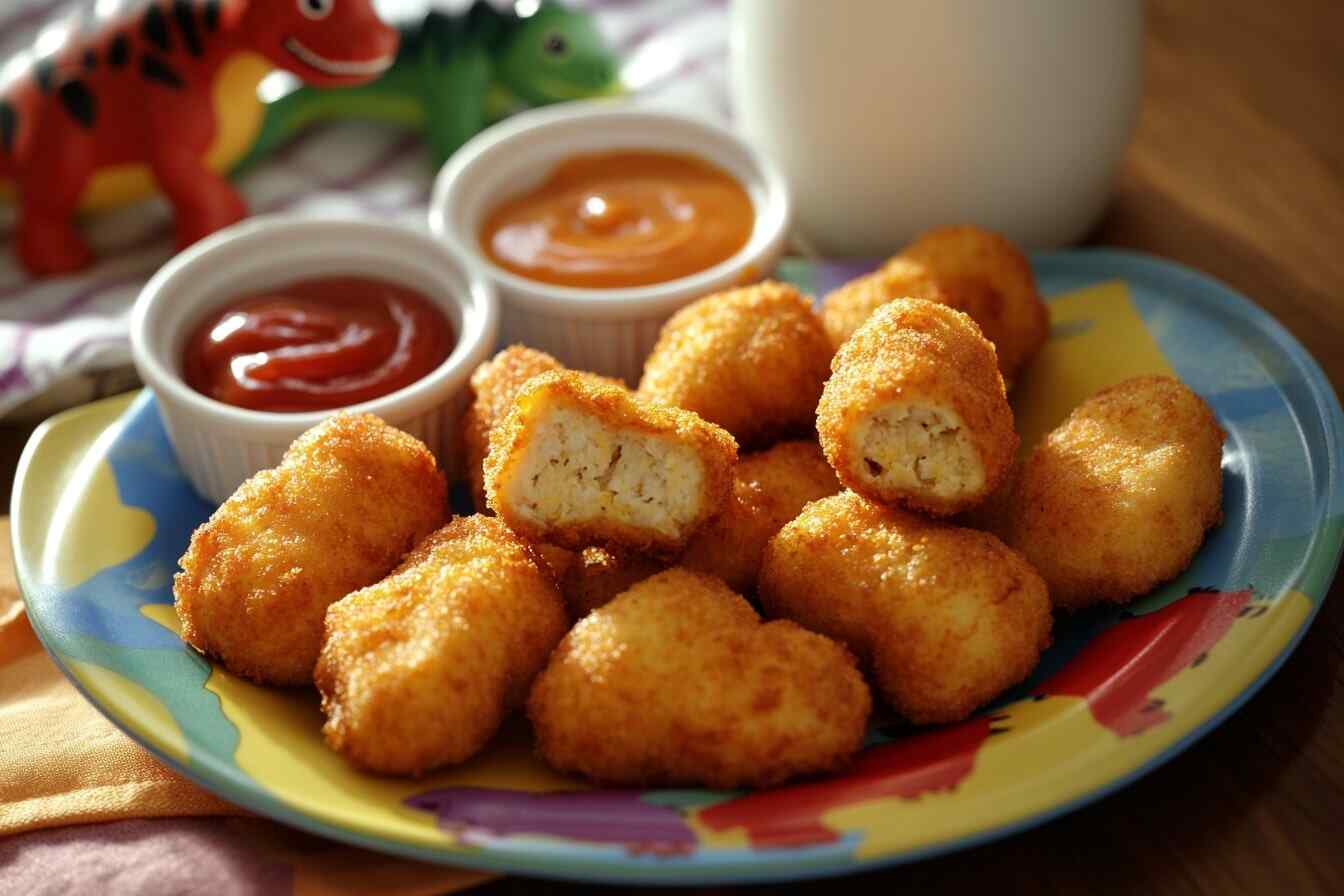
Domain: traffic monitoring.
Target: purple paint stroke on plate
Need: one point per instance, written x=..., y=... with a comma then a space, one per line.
x=837, y=272
x=616, y=817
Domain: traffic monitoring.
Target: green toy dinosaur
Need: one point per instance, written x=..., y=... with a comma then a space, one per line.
x=456, y=74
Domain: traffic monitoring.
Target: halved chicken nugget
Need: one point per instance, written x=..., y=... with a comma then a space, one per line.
x=915, y=411
x=350, y=497
x=1118, y=498
x=769, y=488
x=752, y=360
x=677, y=682
x=944, y=618
x=419, y=670
x=494, y=386
x=580, y=461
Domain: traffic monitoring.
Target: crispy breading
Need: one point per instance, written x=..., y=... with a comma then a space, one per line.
x=967, y=268
x=770, y=488
x=419, y=670
x=351, y=496
x=494, y=386
x=677, y=682
x=845, y=308
x=752, y=360
x=916, y=412
x=592, y=578
x=580, y=461
x=1118, y=498
x=944, y=618
x=992, y=514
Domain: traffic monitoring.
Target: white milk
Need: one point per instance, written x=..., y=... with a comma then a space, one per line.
x=892, y=116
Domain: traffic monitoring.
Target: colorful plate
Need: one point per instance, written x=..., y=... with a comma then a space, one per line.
x=102, y=512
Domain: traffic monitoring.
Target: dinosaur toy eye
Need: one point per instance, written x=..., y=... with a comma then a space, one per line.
x=556, y=45
x=316, y=9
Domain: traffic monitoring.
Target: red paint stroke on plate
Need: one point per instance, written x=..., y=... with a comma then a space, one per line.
x=1117, y=672
x=933, y=760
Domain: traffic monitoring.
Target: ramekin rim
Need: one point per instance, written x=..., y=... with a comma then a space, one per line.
x=773, y=212
x=479, y=326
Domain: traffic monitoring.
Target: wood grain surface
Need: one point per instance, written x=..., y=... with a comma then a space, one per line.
x=1237, y=169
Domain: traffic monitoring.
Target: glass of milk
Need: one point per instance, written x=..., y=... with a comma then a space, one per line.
x=892, y=116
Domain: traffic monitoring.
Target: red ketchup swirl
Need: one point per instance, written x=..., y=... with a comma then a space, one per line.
x=317, y=344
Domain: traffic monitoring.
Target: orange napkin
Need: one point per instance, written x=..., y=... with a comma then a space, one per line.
x=62, y=763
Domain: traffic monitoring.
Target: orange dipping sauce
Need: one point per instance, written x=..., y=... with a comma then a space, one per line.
x=629, y=218
x=317, y=344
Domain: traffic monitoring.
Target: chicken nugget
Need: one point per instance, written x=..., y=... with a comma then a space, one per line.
x=944, y=618
x=494, y=386
x=769, y=488
x=419, y=670
x=972, y=270
x=580, y=461
x=1118, y=498
x=677, y=682
x=351, y=496
x=1017, y=321
x=916, y=412
x=845, y=308
x=752, y=360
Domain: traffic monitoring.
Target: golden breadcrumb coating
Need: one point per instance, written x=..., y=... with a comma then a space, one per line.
x=494, y=386
x=915, y=411
x=556, y=561
x=592, y=577
x=419, y=670
x=677, y=682
x=769, y=488
x=1022, y=323
x=752, y=360
x=967, y=268
x=1118, y=498
x=351, y=496
x=580, y=461
x=846, y=308
x=599, y=574
x=992, y=514
x=944, y=618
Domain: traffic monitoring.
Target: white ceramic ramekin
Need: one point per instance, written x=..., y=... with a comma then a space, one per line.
x=219, y=445
x=608, y=331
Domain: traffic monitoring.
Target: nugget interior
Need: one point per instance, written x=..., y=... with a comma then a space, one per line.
x=910, y=445
x=578, y=468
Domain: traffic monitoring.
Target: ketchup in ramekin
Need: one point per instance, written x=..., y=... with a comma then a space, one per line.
x=317, y=344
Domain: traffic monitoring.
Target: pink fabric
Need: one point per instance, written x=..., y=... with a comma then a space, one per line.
x=155, y=857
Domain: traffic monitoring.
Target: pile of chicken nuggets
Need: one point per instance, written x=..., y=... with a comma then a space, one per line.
x=708, y=579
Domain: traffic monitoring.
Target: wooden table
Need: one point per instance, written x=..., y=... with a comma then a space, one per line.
x=1237, y=169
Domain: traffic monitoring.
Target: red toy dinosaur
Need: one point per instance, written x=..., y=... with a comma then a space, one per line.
x=166, y=98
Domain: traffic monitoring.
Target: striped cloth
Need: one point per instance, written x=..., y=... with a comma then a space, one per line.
x=67, y=337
